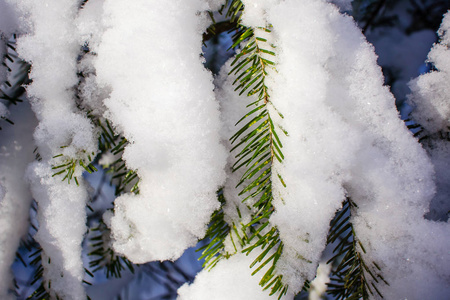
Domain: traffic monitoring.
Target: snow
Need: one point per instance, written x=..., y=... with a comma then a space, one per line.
x=62, y=219
x=430, y=91
x=345, y=138
x=346, y=117
x=61, y=212
x=430, y=96
x=229, y=279
x=171, y=119
x=254, y=14
x=319, y=286
x=16, y=151
x=89, y=24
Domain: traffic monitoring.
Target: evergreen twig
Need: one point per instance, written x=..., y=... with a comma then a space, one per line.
x=260, y=147
x=103, y=256
x=353, y=278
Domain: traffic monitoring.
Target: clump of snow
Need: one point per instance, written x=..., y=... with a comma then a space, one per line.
x=431, y=98
x=319, y=286
x=52, y=47
x=16, y=151
x=345, y=138
x=54, y=75
x=62, y=218
x=166, y=110
x=215, y=5
x=91, y=27
x=229, y=279
x=255, y=11
x=431, y=92
x=317, y=148
x=89, y=23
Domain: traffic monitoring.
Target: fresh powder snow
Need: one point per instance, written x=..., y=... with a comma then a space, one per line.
x=162, y=101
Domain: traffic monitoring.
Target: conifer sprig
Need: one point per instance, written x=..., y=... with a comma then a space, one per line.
x=40, y=293
x=103, y=256
x=124, y=179
x=212, y=251
x=353, y=278
x=259, y=147
x=68, y=166
x=11, y=92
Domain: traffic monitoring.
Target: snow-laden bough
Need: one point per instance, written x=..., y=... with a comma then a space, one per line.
x=50, y=43
x=162, y=101
x=345, y=139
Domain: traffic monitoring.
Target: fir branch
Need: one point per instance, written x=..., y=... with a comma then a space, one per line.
x=216, y=234
x=109, y=142
x=260, y=146
x=234, y=10
x=373, y=15
x=124, y=179
x=40, y=293
x=11, y=92
x=68, y=166
x=353, y=278
x=103, y=256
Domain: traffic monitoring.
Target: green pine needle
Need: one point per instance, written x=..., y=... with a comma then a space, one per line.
x=103, y=256
x=257, y=146
x=353, y=278
x=68, y=166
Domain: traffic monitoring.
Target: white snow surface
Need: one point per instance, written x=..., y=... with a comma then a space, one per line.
x=90, y=25
x=255, y=12
x=166, y=109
